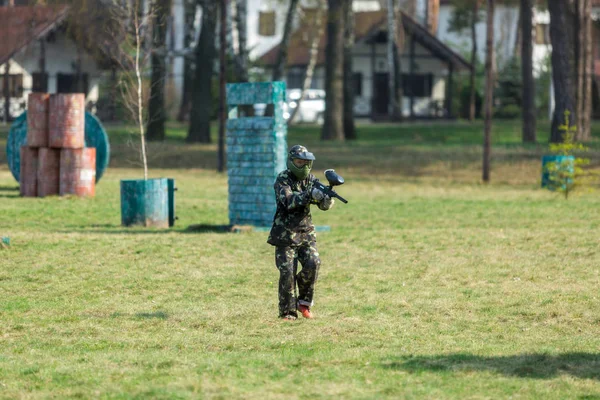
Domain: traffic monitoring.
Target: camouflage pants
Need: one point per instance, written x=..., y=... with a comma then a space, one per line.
x=286, y=260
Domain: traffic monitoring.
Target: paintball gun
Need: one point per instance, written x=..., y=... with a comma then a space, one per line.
x=334, y=180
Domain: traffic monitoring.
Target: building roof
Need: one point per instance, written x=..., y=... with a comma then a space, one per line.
x=19, y=26
x=367, y=24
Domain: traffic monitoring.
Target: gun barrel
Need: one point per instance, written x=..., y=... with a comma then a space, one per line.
x=343, y=200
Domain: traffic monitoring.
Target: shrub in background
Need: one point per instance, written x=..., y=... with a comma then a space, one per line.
x=567, y=173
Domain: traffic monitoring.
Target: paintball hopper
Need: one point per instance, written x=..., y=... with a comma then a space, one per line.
x=333, y=178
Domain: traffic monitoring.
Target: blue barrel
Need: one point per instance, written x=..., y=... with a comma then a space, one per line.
x=569, y=161
x=145, y=202
x=95, y=136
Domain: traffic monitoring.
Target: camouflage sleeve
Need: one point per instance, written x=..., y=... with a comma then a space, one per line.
x=289, y=199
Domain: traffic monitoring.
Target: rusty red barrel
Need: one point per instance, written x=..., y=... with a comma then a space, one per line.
x=37, y=119
x=28, y=172
x=78, y=171
x=66, y=121
x=48, y=172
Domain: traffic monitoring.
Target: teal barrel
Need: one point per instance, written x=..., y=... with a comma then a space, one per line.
x=557, y=159
x=95, y=136
x=145, y=202
x=171, y=187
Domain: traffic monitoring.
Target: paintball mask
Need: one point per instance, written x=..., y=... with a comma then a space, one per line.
x=301, y=153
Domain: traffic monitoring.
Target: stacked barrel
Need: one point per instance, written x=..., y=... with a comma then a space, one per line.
x=55, y=160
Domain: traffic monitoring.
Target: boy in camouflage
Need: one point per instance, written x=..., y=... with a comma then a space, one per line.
x=293, y=233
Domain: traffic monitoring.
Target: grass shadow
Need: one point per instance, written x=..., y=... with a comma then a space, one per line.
x=158, y=315
x=142, y=315
x=538, y=366
x=136, y=230
x=207, y=228
x=122, y=231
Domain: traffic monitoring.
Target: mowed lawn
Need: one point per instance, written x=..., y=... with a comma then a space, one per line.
x=432, y=285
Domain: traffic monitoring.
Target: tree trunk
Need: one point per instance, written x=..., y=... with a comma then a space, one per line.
x=398, y=47
x=242, y=57
x=280, y=63
x=222, y=78
x=561, y=67
x=349, y=127
x=317, y=30
x=156, y=108
x=585, y=133
x=114, y=94
x=6, y=90
x=472, y=89
x=433, y=15
x=393, y=56
x=202, y=100
x=529, y=114
x=188, y=78
x=489, y=90
x=333, y=128
x=519, y=34
x=231, y=52
x=409, y=7
x=583, y=67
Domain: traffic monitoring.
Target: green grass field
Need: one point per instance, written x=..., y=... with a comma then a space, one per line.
x=432, y=284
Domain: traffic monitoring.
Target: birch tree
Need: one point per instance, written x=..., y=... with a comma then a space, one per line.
x=465, y=16
x=317, y=33
x=280, y=63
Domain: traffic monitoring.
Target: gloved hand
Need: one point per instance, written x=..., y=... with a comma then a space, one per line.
x=327, y=202
x=317, y=195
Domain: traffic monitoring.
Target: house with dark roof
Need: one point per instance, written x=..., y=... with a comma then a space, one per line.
x=428, y=67
x=37, y=54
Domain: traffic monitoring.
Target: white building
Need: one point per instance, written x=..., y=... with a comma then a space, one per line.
x=427, y=80
x=42, y=57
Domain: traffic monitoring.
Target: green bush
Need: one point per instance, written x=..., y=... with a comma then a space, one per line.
x=509, y=111
x=566, y=175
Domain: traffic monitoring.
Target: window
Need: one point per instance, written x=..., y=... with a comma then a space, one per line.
x=542, y=34
x=40, y=82
x=266, y=23
x=418, y=85
x=15, y=85
x=295, y=78
x=68, y=83
x=357, y=79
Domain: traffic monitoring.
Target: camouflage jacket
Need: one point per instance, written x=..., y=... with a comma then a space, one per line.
x=292, y=224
